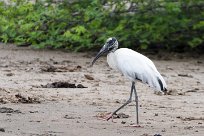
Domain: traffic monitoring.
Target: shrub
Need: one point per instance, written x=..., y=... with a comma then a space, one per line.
x=82, y=25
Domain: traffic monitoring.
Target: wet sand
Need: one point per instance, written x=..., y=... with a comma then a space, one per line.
x=29, y=106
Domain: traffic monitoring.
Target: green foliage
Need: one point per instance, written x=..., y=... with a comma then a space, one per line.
x=85, y=24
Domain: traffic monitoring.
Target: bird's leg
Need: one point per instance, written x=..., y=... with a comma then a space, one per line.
x=136, y=101
x=128, y=101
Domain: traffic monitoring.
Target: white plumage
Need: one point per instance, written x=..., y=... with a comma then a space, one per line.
x=134, y=66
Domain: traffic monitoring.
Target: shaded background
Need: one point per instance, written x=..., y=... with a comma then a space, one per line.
x=82, y=25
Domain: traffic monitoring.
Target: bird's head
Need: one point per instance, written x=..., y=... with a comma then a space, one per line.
x=110, y=46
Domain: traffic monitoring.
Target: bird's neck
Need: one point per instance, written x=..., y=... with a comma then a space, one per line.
x=111, y=60
x=113, y=50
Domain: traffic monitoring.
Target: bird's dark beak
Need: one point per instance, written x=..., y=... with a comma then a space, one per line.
x=100, y=53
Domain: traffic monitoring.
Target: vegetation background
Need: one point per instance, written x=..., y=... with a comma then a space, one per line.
x=82, y=25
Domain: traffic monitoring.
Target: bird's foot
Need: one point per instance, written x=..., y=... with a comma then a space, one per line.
x=106, y=117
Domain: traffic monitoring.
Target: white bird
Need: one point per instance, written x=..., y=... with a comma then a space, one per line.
x=134, y=66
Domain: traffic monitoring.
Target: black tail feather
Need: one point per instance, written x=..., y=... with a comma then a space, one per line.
x=161, y=85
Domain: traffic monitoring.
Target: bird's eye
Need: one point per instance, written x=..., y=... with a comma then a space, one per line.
x=111, y=42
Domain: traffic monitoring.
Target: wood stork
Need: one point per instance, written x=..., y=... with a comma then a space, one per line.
x=134, y=66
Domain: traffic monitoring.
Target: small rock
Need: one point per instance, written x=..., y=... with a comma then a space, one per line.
x=97, y=84
x=193, y=90
x=55, y=62
x=188, y=127
x=156, y=114
x=78, y=67
x=2, y=101
x=71, y=117
x=185, y=75
x=33, y=111
x=120, y=115
x=169, y=68
x=199, y=62
x=180, y=93
x=117, y=101
x=23, y=99
x=49, y=68
x=2, y=130
x=88, y=77
x=68, y=117
x=163, y=130
x=80, y=86
x=123, y=122
x=8, y=110
x=9, y=74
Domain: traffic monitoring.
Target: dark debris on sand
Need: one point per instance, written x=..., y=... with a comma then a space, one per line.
x=8, y=110
x=120, y=116
x=23, y=99
x=62, y=85
x=51, y=68
x=2, y=130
